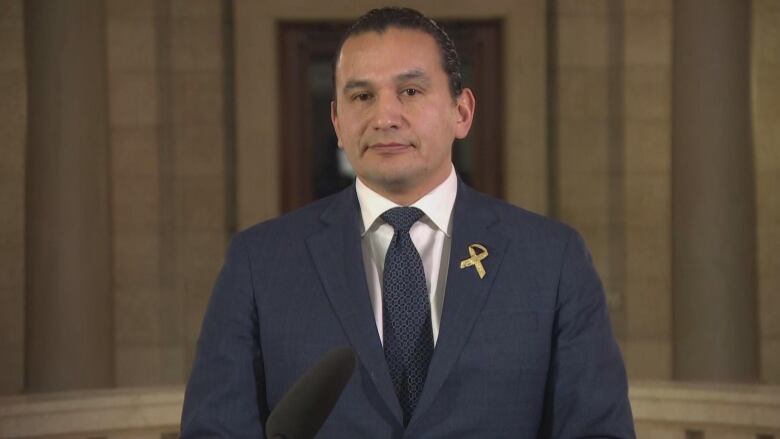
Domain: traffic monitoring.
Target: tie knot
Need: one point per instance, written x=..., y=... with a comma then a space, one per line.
x=402, y=218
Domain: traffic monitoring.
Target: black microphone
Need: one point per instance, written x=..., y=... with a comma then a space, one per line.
x=306, y=406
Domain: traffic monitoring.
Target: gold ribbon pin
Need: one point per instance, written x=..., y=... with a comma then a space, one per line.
x=475, y=259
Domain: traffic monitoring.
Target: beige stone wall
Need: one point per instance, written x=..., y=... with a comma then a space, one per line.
x=766, y=137
x=169, y=140
x=136, y=146
x=13, y=118
x=618, y=194
x=587, y=170
x=646, y=137
x=612, y=161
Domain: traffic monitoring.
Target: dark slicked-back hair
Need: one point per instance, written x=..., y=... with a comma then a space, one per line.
x=379, y=20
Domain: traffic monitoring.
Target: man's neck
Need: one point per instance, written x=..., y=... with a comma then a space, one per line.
x=406, y=196
x=402, y=198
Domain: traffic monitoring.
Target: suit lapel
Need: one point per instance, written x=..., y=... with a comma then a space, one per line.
x=338, y=257
x=465, y=292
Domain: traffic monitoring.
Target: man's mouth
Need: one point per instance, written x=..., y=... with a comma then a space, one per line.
x=389, y=147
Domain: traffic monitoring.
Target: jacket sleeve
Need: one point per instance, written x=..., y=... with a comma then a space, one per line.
x=225, y=395
x=587, y=390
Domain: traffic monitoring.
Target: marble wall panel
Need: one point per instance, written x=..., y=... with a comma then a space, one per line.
x=647, y=358
x=169, y=135
x=134, y=99
x=138, y=365
x=583, y=95
x=132, y=45
x=592, y=8
x=649, y=307
x=138, y=318
x=770, y=358
x=136, y=260
x=198, y=149
x=648, y=39
x=769, y=303
x=135, y=152
x=13, y=127
x=648, y=146
x=648, y=6
x=196, y=44
x=583, y=198
x=11, y=44
x=649, y=252
x=765, y=93
x=647, y=166
x=136, y=207
x=582, y=41
x=647, y=199
x=648, y=92
x=121, y=9
x=12, y=367
x=583, y=148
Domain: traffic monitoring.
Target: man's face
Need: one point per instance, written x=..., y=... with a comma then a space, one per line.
x=394, y=115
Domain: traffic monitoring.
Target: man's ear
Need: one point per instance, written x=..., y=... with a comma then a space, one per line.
x=334, y=119
x=464, y=107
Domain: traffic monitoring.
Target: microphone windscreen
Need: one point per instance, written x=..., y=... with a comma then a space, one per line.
x=305, y=407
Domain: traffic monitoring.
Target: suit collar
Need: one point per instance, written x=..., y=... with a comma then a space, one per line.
x=475, y=222
x=337, y=255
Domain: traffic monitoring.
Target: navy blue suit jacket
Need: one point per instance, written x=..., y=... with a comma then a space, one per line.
x=526, y=352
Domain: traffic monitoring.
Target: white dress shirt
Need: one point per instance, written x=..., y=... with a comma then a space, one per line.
x=431, y=235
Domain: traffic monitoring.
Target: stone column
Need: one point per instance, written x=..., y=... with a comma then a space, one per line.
x=69, y=342
x=713, y=202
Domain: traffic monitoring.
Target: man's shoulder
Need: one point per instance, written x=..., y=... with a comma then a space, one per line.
x=293, y=225
x=517, y=220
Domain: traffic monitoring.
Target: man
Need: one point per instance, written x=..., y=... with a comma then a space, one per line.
x=469, y=318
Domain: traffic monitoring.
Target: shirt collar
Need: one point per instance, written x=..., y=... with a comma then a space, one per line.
x=436, y=204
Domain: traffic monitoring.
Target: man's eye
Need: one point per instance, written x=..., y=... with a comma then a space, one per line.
x=361, y=97
x=410, y=92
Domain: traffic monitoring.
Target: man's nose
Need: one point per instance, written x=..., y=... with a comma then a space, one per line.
x=387, y=112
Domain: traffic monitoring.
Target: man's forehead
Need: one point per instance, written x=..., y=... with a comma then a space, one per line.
x=358, y=49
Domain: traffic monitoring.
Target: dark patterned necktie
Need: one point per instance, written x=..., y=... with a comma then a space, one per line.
x=406, y=311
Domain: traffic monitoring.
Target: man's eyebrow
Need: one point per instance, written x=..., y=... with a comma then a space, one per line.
x=413, y=75
x=355, y=83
